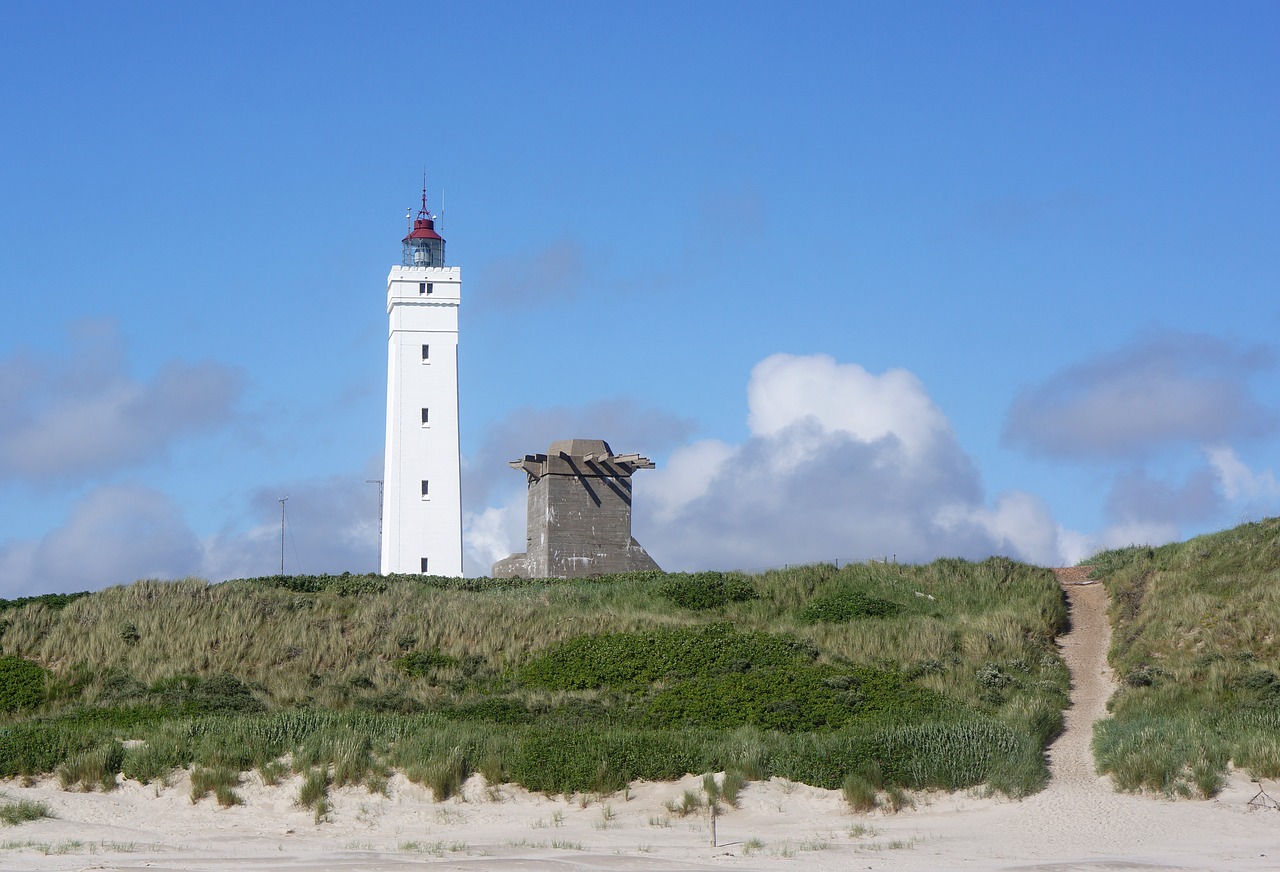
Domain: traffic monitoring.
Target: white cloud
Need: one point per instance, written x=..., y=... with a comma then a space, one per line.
x=494, y=533
x=83, y=415
x=686, y=475
x=1168, y=388
x=1020, y=525
x=113, y=535
x=840, y=464
x=1137, y=533
x=118, y=534
x=842, y=397
x=1237, y=480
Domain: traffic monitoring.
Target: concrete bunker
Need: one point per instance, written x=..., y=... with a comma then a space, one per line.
x=579, y=513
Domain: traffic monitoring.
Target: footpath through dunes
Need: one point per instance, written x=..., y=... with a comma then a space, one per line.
x=1079, y=822
x=1084, y=648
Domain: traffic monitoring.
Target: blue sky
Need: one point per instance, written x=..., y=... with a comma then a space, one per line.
x=863, y=279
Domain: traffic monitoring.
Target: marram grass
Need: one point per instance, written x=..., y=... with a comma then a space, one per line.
x=943, y=675
x=1196, y=651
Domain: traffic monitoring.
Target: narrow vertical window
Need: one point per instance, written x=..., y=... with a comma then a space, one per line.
x=426, y=353
x=424, y=566
x=422, y=288
x=424, y=488
x=427, y=288
x=426, y=418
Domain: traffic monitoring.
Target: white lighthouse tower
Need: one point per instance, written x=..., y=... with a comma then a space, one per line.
x=422, y=479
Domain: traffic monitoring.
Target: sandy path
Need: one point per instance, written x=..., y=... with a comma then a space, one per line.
x=1084, y=648
x=1077, y=823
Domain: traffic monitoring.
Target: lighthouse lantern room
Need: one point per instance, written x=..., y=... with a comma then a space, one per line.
x=423, y=246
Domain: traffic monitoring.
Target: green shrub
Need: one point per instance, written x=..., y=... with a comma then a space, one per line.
x=53, y=601
x=422, y=663
x=193, y=695
x=22, y=684
x=849, y=605
x=604, y=760
x=795, y=699
x=498, y=710
x=706, y=590
x=632, y=661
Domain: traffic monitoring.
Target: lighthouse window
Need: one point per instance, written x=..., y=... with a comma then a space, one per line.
x=424, y=489
x=424, y=566
x=425, y=287
x=425, y=417
x=426, y=354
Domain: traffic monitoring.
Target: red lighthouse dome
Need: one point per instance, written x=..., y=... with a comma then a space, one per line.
x=423, y=246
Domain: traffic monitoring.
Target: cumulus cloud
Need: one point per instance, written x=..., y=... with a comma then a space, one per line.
x=120, y=533
x=1237, y=480
x=839, y=464
x=115, y=534
x=843, y=398
x=84, y=415
x=493, y=533
x=1165, y=389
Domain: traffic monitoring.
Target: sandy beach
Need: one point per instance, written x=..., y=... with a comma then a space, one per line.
x=1077, y=823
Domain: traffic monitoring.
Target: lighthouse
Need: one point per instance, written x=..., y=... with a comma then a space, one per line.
x=422, y=477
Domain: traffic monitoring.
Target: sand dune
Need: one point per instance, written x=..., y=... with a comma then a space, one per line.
x=1077, y=823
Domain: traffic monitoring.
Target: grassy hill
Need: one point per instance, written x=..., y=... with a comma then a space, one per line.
x=869, y=676
x=1196, y=650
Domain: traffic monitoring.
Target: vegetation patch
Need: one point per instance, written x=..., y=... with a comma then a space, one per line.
x=194, y=695
x=1195, y=643
x=800, y=698
x=53, y=601
x=631, y=661
x=422, y=663
x=14, y=813
x=561, y=685
x=22, y=684
x=849, y=605
x=707, y=590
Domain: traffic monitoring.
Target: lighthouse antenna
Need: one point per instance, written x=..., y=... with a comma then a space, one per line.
x=440, y=226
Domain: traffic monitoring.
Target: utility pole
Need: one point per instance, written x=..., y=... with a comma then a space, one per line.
x=282, y=502
x=378, y=482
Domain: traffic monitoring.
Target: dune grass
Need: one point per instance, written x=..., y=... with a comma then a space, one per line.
x=942, y=675
x=1196, y=651
x=21, y=811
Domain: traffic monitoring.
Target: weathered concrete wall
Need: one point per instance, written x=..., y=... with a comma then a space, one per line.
x=579, y=513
